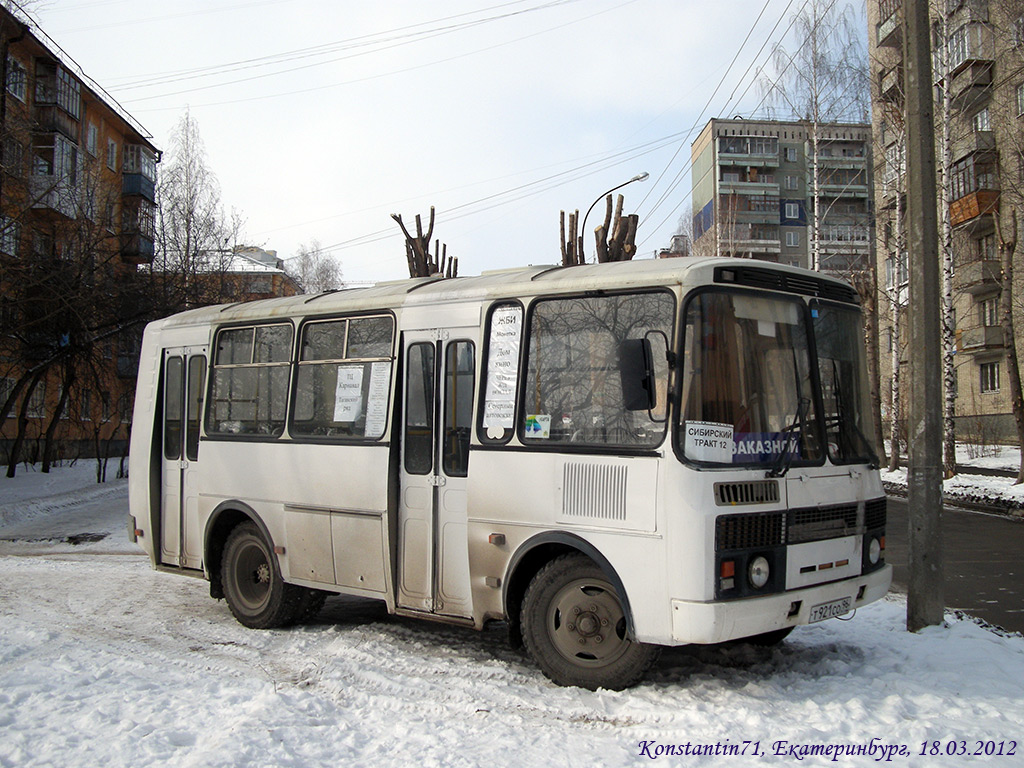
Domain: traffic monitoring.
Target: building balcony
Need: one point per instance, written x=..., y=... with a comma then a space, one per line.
x=138, y=185
x=981, y=276
x=971, y=83
x=970, y=207
x=981, y=144
x=890, y=29
x=828, y=189
x=50, y=118
x=52, y=192
x=756, y=160
x=891, y=87
x=852, y=162
x=983, y=339
x=748, y=188
x=137, y=248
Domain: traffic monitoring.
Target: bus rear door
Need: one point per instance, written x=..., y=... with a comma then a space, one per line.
x=184, y=372
x=433, y=558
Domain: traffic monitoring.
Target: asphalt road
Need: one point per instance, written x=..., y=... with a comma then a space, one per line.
x=983, y=561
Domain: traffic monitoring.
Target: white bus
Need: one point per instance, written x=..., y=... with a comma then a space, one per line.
x=610, y=458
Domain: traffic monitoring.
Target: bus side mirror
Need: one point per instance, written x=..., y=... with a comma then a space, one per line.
x=636, y=367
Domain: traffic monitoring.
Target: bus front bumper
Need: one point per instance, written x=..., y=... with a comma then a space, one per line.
x=716, y=622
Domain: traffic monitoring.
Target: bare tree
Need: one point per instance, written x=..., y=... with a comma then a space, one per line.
x=823, y=79
x=192, y=227
x=315, y=270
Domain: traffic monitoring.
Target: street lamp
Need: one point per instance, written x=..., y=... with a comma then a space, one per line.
x=639, y=177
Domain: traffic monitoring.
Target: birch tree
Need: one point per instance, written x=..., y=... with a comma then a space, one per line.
x=314, y=269
x=823, y=78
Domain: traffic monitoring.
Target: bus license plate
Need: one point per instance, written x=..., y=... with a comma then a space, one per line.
x=829, y=610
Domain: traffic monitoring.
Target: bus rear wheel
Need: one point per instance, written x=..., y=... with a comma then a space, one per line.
x=253, y=587
x=574, y=627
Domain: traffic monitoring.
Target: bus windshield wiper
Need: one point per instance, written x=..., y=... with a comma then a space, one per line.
x=785, y=459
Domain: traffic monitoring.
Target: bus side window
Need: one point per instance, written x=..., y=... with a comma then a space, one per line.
x=460, y=375
x=196, y=377
x=419, y=410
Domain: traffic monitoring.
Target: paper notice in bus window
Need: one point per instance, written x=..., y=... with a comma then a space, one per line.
x=377, y=399
x=538, y=425
x=502, y=367
x=348, y=396
x=709, y=441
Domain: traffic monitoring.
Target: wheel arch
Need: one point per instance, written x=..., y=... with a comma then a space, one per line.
x=536, y=552
x=224, y=518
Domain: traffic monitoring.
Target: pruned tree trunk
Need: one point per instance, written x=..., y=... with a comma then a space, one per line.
x=417, y=251
x=622, y=244
x=62, y=403
x=1007, y=246
x=572, y=246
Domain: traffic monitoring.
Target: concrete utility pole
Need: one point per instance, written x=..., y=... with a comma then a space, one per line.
x=925, y=598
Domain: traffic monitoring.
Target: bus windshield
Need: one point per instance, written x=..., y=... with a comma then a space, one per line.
x=747, y=392
x=842, y=369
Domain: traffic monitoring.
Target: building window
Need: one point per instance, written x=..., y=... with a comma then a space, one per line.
x=792, y=239
x=1018, y=32
x=988, y=312
x=959, y=47
x=10, y=235
x=1020, y=100
x=987, y=247
x=980, y=121
x=16, y=79
x=69, y=95
x=6, y=387
x=790, y=154
x=92, y=136
x=111, y=154
x=105, y=405
x=792, y=211
x=139, y=159
x=85, y=407
x=791, y=182
x=989, y=377
x=37, y=402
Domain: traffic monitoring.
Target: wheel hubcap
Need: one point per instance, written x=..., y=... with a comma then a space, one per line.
x=253, y=577
x=587, y=624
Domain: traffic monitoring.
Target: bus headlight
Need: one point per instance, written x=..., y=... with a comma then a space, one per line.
x=874, y=551
x=758, y=572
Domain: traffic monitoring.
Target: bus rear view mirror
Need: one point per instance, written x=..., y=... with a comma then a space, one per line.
x=636, y=366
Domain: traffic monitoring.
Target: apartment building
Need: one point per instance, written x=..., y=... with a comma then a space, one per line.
x=758, y=185
x=77, y=214
x=978, y=68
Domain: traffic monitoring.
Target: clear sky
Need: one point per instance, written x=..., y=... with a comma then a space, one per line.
x=323, y=117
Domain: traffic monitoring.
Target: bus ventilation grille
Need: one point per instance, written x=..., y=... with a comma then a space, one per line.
x=756, y=492
x=750, y=531
x=874, y=514
x=758, y=277
x=818, y=523
x=596, y=491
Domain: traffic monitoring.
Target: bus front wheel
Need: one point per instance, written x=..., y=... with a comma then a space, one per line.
x=255, y=591
x=574, y=627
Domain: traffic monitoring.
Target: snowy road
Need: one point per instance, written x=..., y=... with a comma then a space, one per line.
x=106, y=662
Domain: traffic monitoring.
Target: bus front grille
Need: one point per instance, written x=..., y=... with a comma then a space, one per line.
x=875, y=514
x=750, y=531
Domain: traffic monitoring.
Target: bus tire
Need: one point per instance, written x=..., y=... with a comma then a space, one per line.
x=255, y=592
x=574, y=627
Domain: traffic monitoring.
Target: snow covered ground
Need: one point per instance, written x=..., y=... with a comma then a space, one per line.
x=104, y=661
x=998, y=491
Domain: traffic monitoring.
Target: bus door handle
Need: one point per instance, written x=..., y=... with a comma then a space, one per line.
x=437, y=481
x=182, y=465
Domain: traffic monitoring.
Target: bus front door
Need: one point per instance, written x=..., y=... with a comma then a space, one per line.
x=184, y=373
x=433, y=557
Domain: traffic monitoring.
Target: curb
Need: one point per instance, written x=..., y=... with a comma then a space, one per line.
x=1013, y=510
